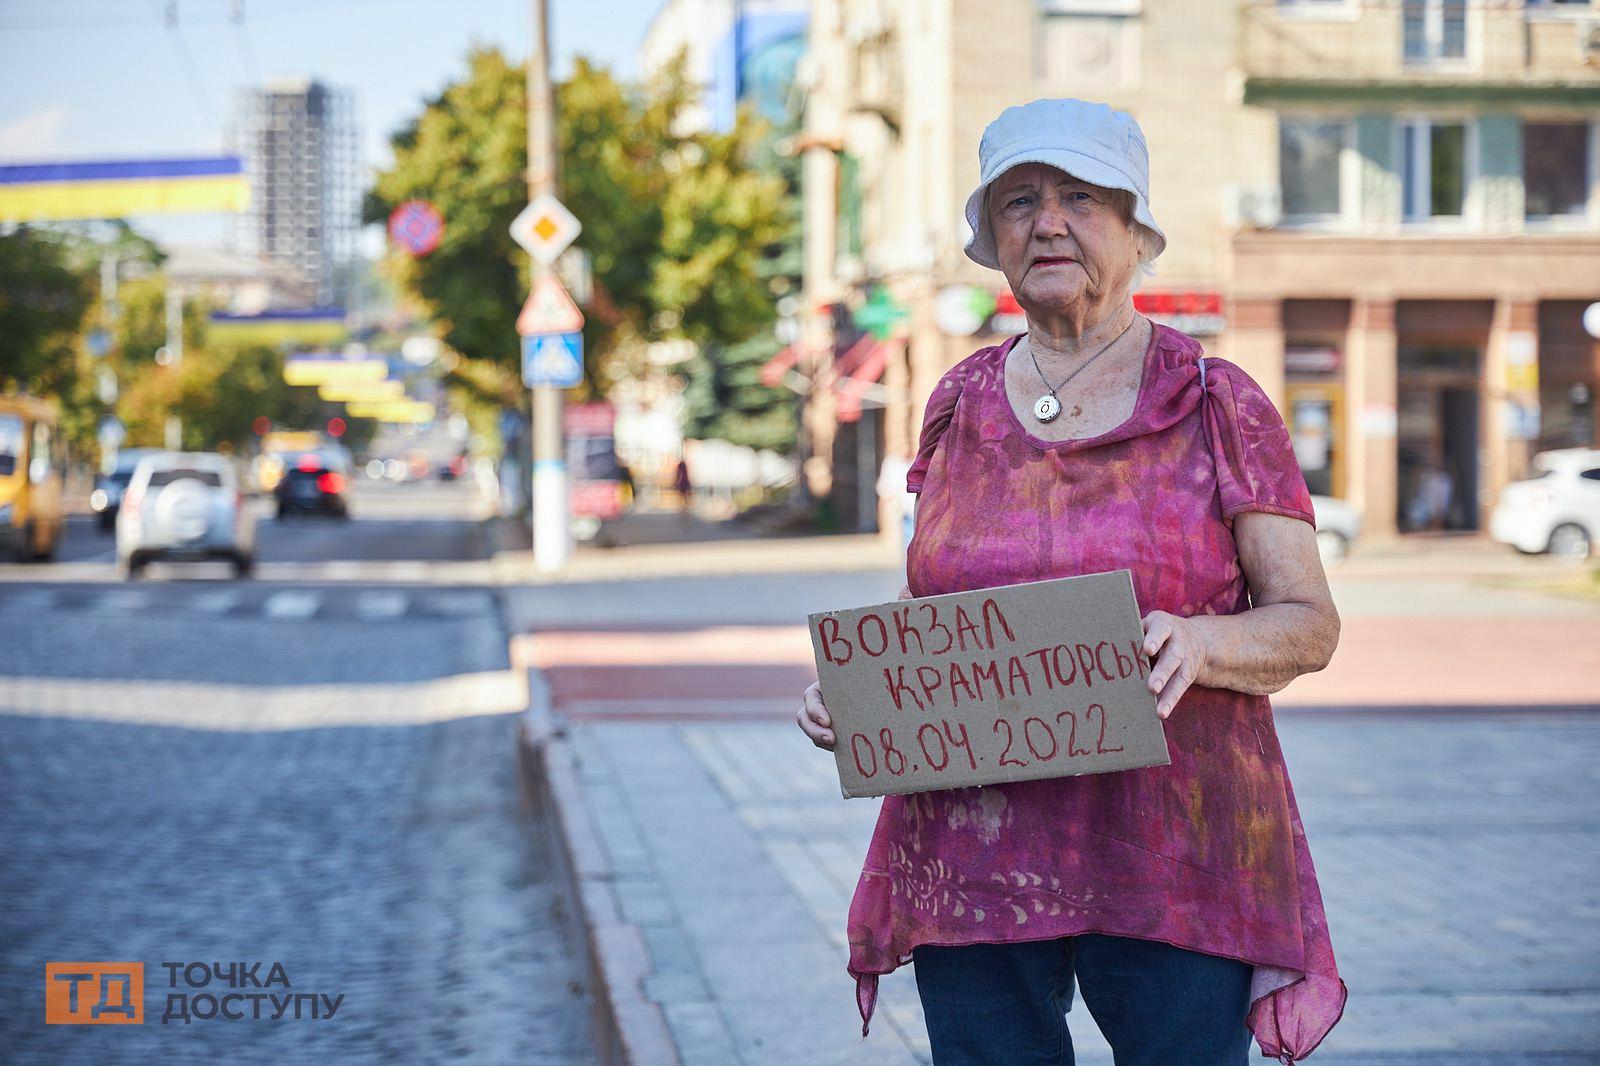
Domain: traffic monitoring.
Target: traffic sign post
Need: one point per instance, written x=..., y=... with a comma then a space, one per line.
x=554, y=359
x=545, y=228
x=417, y=227
x=549, y=310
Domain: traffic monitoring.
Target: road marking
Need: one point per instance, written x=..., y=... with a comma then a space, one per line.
x=407, y=570
x=291, y=604
x=120, y=601
x=215, y=601
x=375, y=605
x=460, y=603
x=205, y=705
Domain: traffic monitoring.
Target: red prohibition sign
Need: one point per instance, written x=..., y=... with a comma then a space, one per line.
x=416, y=227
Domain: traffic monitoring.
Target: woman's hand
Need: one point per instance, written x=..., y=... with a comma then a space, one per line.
x=814, y=720
x=1178, y=649
x=813, y=715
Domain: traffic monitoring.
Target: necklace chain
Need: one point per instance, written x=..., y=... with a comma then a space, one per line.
x=1081, y=366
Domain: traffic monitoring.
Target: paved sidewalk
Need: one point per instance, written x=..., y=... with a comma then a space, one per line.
x=1465, y=906
x=1445, y=765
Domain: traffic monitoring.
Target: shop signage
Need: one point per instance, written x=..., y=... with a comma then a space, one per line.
x=1193, y=312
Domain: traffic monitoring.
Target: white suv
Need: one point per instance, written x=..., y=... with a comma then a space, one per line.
x=184, y=505
x=1557, y=510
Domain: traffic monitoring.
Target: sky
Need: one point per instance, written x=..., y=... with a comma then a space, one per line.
x=107, y=79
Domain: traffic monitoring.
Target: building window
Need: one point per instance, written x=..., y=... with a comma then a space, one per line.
x=1434, y=160
x=1308, y=167
x=1088, y=44
x=1555, y=168
x=1434, y=29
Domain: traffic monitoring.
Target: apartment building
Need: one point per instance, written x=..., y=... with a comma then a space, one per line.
x=298, y=138
x=1387, y=212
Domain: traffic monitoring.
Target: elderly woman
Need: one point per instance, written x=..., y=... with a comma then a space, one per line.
x=1181, y=899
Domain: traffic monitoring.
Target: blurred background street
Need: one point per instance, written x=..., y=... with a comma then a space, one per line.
x=425, y=427
x=313, y=768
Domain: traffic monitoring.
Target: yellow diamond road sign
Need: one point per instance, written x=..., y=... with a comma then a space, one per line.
x=545, y=228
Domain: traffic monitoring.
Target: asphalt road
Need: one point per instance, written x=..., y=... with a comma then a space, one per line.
x=314, y=768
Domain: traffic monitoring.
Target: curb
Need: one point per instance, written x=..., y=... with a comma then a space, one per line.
x=630, y=1029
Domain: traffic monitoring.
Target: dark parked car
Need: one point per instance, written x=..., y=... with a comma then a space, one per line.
x=315, y=484
x=106, y=499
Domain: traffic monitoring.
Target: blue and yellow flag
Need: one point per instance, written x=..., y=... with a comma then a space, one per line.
x=34, y=192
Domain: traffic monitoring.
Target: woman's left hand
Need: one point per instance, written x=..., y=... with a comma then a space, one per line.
x=1178, y=649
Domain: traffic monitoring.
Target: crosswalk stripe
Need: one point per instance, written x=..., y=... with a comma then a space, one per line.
x=215, y=601
x=374, y=605
x=288, y=604
x=119, y=601
x=460, y=602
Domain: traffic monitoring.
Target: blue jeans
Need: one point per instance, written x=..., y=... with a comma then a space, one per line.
x=1157, y=1005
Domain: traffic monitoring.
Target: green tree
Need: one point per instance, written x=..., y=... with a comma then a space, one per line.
x=217, y=392
x=43, y=300
x=676, y=225
x=141, y=327
x=724, y=396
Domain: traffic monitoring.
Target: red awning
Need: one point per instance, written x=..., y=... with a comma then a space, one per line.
x=845, y=364
x=867, y=371
x=773, y=370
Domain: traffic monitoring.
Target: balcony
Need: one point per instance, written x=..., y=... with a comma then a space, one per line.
x=1415, y=52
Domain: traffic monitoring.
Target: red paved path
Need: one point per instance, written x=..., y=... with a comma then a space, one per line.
x=759, y=671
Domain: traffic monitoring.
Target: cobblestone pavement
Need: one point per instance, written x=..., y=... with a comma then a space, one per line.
x=1457, y=855
x=204, y=771
x=389, y=864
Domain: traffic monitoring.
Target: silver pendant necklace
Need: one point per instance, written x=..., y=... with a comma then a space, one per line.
x=1048, y=406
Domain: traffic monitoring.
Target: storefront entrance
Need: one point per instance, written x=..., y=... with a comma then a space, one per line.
x=1438, y=439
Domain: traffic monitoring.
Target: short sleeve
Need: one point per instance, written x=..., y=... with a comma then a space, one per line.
x=1256, y=465
x=935, y=420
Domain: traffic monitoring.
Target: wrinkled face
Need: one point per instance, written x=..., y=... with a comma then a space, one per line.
x=1061, y=241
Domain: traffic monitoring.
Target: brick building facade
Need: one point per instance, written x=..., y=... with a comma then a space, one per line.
x=1387, y=212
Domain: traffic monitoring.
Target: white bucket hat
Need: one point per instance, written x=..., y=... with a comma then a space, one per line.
x=1090, y=141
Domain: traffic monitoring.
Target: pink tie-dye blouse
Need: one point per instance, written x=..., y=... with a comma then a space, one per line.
x=1207, y=853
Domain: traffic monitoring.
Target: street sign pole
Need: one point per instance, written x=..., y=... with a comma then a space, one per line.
x=552, y=534
x=174, y=428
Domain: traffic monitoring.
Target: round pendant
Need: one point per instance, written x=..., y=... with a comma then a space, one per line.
x=1046, y=407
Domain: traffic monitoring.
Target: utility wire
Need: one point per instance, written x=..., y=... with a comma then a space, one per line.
x=202, y=100
x=241, y=33
x=312, y=8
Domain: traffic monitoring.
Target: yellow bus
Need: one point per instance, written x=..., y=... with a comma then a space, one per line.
x=31, y=470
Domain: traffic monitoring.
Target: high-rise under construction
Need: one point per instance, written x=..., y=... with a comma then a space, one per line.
x=298, y=140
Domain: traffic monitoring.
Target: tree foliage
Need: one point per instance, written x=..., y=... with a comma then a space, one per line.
x=43, y=300
x=676, y=224
x=217, y=392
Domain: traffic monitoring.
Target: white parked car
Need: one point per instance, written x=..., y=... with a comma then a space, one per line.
x=184, y=505
x=1338, y=524
x=1557, y=510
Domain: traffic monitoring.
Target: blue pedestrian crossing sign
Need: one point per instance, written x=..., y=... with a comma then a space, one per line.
x=552, y=359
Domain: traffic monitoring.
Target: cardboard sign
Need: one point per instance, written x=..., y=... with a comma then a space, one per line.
x=1045, y=679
